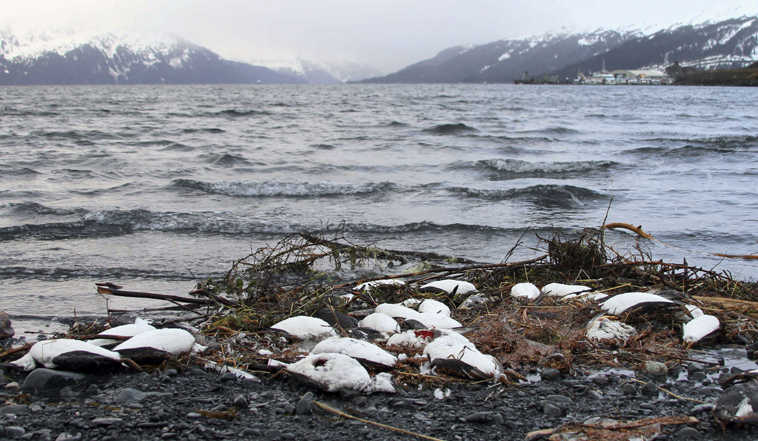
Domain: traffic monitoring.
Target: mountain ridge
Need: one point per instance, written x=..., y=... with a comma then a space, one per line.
x=729, y=43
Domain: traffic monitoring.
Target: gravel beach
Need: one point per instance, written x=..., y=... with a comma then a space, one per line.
x=189, y=403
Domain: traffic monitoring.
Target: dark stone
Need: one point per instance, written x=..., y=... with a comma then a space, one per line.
x=686, y=434
x=227, y=377
x=600, y=380
x=550, y=374
x=551, y=410
x=561, y=401
x=240, y=401
x=629, y=389
x=107, y=421
x=305, y=404
x=15, y=409
x=129, y=395
x=6, y=331
x=697, y=376
x=50, y=382
x=650, y=389
x=14, y=431
x=484, y=417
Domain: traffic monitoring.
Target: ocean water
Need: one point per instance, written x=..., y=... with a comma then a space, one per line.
x=155, y=187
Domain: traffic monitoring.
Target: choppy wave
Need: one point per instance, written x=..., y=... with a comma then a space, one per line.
x=12, y=171
x=450, y=129
x=286, y=189
x=564, y=196
x=99, y=273
x=224, y=159
x=237, y=113
x=34, y=208
x=557, y=130
x=516, y=168
x=696, y=147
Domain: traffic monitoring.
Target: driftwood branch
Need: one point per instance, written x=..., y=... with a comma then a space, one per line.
x=110, y=289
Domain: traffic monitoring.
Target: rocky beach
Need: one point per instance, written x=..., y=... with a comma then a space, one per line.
x=473, y=351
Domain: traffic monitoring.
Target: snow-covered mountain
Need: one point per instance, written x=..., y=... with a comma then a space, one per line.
x=713, y=44
x=321, y=72
x=120, y=59
x=731, y=43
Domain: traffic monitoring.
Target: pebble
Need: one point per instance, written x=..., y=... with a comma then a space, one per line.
x=193, y=415
x=106, y=421
x=14, y=409
x=687, y=434
x=550, y=374
x=14, y=431
x=697, y=376
x=484, y=417
x=650, y=389
x=129, y=395
x=65, y=436
x=600, y=380
x=12, y=386
x=240, y=401
x=629, y=389
x=551, y=410
x=305, y=404
x=656, y=368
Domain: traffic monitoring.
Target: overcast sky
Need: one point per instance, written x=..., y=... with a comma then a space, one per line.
x=387, y=34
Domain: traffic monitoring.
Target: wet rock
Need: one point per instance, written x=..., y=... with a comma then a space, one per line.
x=65, y=436
x=14, y=432
x=484, y=417
x=129, y=395
x=240, y=401
x=629, y=389
x=14, y=409
x=6, y=331
x=12, y=386
x=656, y=368
x=107, y=421
x=44, y=381
x=551, y=410
x=650, y=389
x=305, y=404
x=686, y=434
x=550, y=374
x=697, y=376
x=40, y=435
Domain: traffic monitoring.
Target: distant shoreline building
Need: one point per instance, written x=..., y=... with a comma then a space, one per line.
x=625, y=77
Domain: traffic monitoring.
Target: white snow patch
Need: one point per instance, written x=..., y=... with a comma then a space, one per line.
x=45, y=351
x=172, y=340
x=622, y=302
x=333, y=372
x=505, y=56
x=356, y=349
x=699, y=327
x=525, y=289
x=305, y=327
x=380, y=322
x=449, y=285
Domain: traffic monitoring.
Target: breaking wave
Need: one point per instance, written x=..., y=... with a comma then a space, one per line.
x=285, y=189
x=563, y=196
x=516, y=168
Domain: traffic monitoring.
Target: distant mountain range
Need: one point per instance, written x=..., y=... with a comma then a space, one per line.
x=730, y=43
x=112, y=59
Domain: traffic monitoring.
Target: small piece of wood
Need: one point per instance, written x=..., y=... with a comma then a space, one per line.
x=630, y=227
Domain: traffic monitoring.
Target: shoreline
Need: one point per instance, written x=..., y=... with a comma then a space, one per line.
x=553, y=375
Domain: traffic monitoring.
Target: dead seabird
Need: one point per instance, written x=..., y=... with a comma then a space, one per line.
x=68, y=354
x=156, y=345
